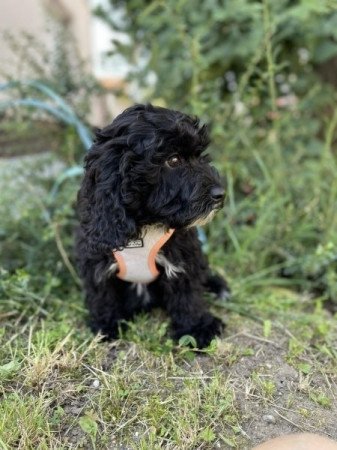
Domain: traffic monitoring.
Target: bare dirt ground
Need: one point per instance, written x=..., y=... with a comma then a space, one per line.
x=268, y=412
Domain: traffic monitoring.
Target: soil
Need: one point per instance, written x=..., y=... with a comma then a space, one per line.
x=290, y=409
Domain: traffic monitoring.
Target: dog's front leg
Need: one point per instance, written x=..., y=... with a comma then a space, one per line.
x=106, y=312
x=183, y=299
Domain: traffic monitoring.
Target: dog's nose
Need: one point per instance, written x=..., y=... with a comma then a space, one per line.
x=217, y=193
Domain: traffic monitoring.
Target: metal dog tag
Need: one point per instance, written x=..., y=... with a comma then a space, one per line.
x=135, y=243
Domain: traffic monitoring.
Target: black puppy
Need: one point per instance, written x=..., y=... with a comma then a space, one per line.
x=146, y=187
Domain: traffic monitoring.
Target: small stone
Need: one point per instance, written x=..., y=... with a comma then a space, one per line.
x=269, y=418
x=95, y=384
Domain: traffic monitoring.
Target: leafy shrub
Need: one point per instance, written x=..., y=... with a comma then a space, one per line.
x=257, y=71
x=36, y=241
x=204, y=53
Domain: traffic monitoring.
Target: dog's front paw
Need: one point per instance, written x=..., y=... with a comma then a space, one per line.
x=206, y=329
x=108, y=331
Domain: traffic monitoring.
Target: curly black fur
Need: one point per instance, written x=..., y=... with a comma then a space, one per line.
x=129, y=183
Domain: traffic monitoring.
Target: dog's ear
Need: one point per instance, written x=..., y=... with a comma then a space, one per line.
x=101, y=201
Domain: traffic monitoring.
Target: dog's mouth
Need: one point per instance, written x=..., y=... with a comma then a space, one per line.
x=203, y=220
x=207, y=218
x=208, y=215
x=218, y=205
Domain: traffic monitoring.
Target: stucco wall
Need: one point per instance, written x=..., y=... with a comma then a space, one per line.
x=33, y=16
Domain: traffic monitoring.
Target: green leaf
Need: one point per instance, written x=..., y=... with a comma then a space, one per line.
x=228, y=441
x=305, y=368
x=187, y=340
x=325, y=51
x=88, y=425
x=207, y=435
x=266, y=328
x=9, y=369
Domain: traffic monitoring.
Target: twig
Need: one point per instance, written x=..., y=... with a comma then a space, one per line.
x=257, y=338
x=295, y=424
x=269, y=54
x=290, y=421
x=58, y=239
x=7, y=314
x=64, y=255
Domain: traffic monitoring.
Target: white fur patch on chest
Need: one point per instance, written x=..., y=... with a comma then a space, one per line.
x=142, y=292
x=171, y=270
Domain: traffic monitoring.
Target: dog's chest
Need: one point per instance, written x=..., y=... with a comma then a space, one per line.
x=137, y=262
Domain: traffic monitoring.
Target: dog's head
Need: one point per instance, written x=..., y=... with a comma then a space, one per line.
x=148, y=167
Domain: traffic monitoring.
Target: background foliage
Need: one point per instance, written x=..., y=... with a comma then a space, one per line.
x=262, y=74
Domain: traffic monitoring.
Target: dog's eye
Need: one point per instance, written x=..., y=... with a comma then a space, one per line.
x=174, y=161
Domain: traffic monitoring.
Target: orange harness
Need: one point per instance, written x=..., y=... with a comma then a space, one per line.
x=137, y=261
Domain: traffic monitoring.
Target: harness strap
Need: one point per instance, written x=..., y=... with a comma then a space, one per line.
x=137, y=261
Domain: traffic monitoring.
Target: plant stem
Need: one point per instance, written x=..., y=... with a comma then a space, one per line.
x=268, y=33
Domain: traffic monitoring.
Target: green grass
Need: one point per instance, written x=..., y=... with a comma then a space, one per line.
x=61, y=388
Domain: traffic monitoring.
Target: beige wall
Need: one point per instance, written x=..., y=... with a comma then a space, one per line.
x=33, y=16
x=17, y=16
x=76, y=13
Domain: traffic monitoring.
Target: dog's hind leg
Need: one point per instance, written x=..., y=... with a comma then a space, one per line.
x=218, y=286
